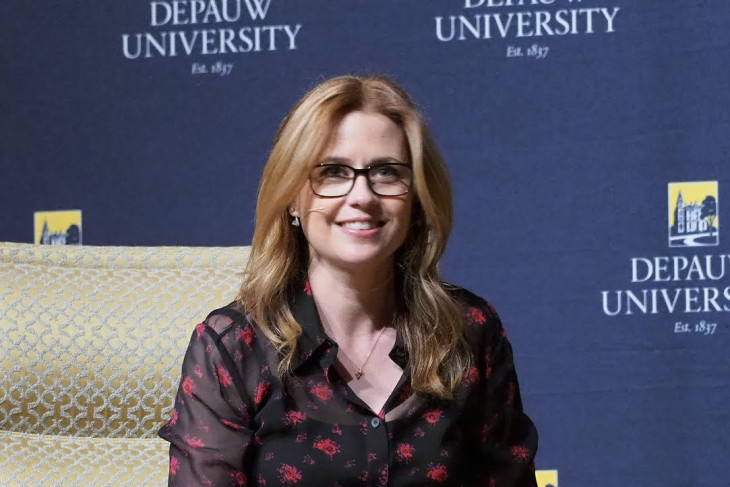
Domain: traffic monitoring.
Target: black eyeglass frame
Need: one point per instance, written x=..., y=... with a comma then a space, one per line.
x=365, y=171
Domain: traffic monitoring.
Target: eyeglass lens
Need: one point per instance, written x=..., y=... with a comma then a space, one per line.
x=332, y=180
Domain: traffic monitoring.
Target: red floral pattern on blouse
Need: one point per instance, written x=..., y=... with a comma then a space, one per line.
x=432, y=416
x=437, y=473
x=237, y=423
x=328, y=446
x=294, y=417
x=289, y=475
x=174, y=465
x=224, y=378
x=261, y=391
x=477, y=316
x=404, y=452
x=245, y=335
x=239, y=479
x=187, y=386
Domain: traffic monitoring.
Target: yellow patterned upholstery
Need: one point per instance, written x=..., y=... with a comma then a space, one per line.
x=92, y=342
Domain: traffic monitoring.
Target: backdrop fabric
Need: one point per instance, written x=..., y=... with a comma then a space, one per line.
x=587, y=141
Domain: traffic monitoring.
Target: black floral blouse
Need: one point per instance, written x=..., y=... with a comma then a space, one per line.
x=235, y=423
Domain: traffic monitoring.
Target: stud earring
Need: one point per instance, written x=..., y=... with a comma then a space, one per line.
x=295, y=222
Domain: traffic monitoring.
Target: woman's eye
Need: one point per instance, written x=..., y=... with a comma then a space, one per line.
x=386, y=172
x=333, y=172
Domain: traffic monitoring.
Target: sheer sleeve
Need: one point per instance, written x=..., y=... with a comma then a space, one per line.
x=506, y=435
x=209, y=429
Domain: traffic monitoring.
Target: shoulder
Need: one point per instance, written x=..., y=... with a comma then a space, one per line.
x=227, y=347
x=229, y=329
x=474, y=307
x=481, y=321
x=226, y=319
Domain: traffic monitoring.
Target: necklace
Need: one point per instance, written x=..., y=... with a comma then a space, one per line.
x=359, y=372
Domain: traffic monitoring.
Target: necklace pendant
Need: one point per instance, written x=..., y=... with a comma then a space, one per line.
x=359, y=372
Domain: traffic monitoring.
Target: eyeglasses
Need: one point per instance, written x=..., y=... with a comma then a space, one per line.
x=335, y=180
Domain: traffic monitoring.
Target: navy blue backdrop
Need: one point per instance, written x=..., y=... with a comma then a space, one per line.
x=570, y=128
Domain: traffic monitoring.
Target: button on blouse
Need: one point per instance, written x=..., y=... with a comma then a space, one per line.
x=236, y=423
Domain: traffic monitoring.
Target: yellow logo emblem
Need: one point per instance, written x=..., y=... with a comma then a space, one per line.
x=57, y=227
x=694, y=214
x=547, y=478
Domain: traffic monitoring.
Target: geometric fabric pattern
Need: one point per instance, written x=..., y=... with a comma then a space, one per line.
x=92, y=342
x=29, y=460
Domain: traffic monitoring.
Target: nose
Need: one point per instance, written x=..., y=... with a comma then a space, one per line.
x=361, y=193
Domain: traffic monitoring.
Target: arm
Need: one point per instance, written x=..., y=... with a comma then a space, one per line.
x=208, y=431
x=507, y=437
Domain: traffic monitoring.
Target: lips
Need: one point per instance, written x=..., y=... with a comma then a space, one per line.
x=361, y=224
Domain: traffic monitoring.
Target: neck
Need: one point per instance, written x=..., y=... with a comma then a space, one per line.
x=352, y=304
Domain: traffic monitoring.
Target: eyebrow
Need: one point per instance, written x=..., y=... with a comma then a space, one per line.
x=373, y=162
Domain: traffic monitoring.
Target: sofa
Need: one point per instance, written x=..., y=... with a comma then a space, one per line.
x=92, y=343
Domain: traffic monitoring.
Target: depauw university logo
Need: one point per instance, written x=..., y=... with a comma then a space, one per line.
x=547, y=478
x=57, y=227
x=694, y=219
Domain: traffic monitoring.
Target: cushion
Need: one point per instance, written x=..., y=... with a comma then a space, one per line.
x=93, y=339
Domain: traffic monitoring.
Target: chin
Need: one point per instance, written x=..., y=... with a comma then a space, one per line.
x=362, y=259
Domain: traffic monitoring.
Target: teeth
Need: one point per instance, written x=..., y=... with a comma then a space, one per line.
x=359, y=225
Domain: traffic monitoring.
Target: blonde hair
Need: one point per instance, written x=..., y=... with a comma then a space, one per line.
x=430, y=320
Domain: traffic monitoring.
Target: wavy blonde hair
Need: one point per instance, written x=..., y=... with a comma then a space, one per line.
x=429, y=319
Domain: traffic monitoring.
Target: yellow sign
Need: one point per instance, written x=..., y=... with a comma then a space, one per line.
x=57, y=227
x=547, y=478
x=694, y=219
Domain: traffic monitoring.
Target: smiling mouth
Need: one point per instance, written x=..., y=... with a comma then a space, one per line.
x=362, y=225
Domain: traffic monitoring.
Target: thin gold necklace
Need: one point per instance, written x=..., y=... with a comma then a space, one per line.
x=359, y=372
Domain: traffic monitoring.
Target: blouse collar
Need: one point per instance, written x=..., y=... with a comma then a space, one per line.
x=314, y=344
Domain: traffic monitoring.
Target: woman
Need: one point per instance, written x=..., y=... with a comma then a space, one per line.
x=345, y=360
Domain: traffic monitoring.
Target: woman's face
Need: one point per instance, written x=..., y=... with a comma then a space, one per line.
x=360, y=228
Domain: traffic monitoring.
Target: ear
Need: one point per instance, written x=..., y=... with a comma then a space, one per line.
x=293, y=211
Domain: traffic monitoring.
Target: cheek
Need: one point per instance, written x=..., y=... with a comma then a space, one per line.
x=308, y=204
x=404, y=215
x=317, y=217
x=303, y=201
x=404, y=210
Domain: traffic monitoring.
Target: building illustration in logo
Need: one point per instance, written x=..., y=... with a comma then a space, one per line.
x=693, y=214
x=72, y=236
x=57, y=227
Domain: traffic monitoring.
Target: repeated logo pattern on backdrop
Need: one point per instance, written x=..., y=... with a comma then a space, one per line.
x=587, y=143
x=527, y=25
x=199, y=29
x=685, y=284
